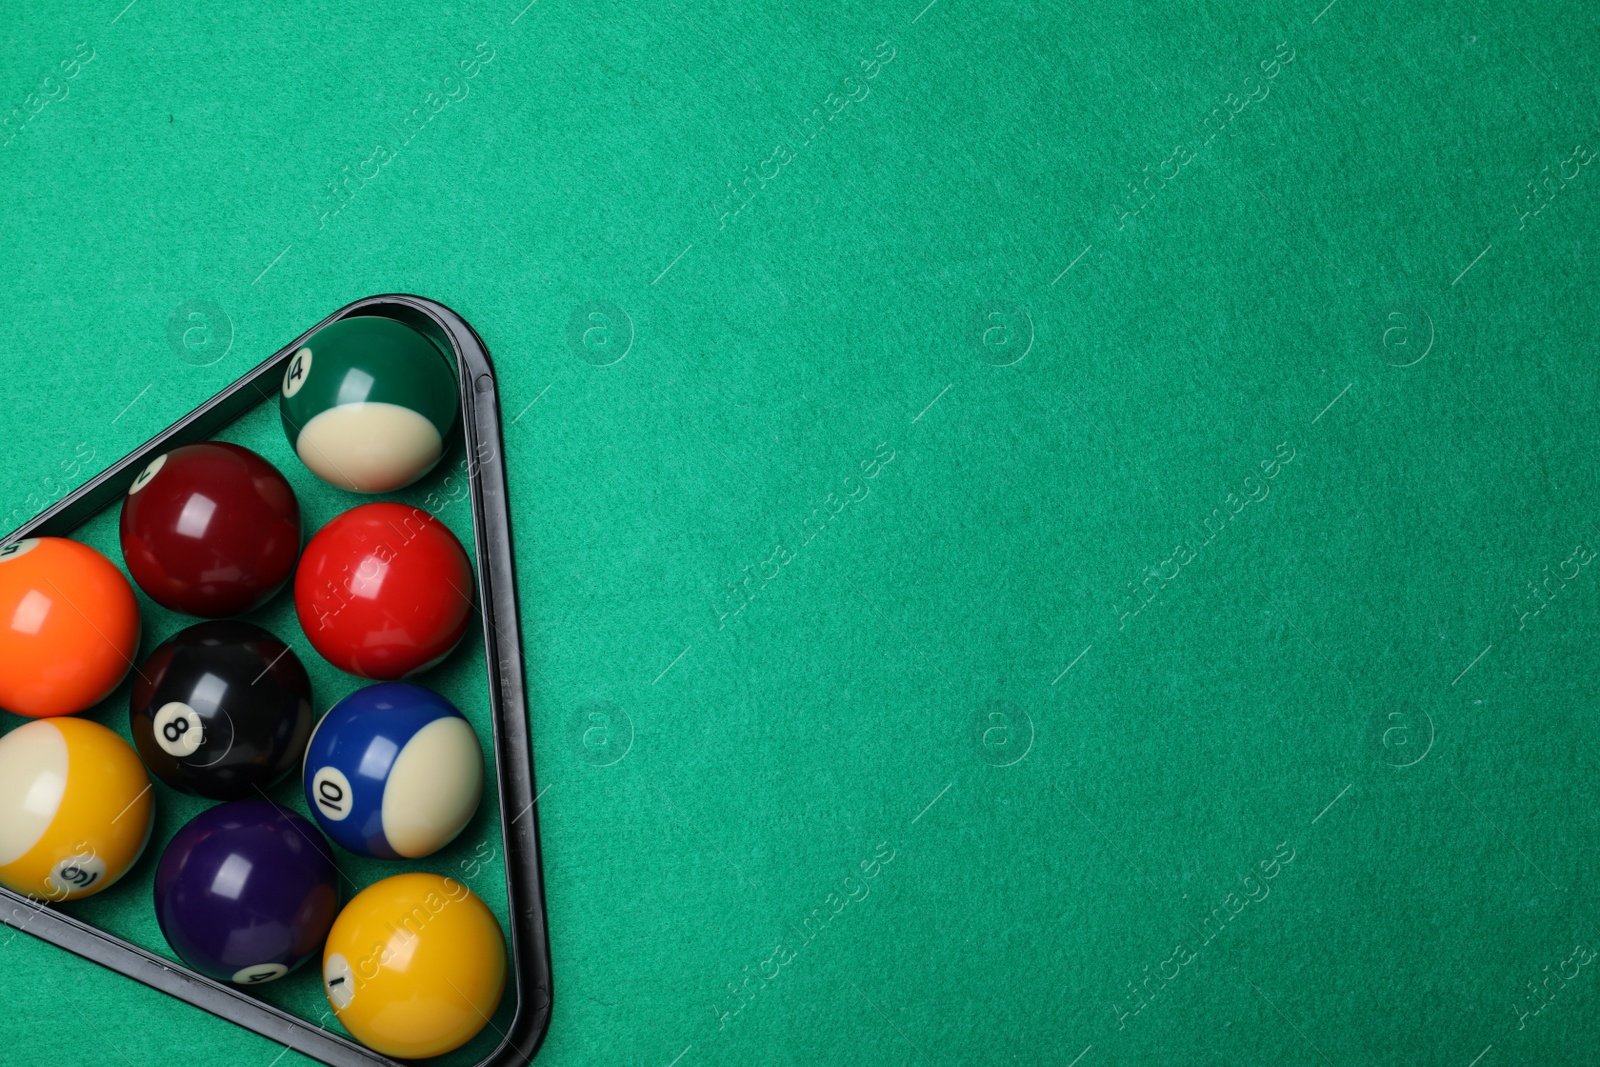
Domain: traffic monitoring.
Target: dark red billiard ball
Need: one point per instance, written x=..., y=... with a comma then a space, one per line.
x=384, y=591
x=210, y=530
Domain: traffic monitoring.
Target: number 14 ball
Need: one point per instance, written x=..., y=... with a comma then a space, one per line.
x=367, y=403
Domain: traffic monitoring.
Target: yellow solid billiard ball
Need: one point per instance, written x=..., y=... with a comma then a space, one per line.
x=75, y=808
x=415, y=965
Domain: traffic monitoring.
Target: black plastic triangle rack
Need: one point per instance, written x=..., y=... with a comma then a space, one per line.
x=528, y=977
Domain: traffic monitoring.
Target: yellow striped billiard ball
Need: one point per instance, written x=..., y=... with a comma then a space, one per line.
x=75, y=808
x=414, y=965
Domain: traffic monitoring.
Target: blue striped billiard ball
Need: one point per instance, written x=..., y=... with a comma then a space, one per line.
x=393, y=771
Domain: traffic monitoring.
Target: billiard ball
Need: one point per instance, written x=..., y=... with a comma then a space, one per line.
x=221, y=709
x=414, y=965
x=368, y=403
x=393, y=771
x=75, y=808
x=384, y=591
x=245, y=892
x=69, y=627
x=210, y=529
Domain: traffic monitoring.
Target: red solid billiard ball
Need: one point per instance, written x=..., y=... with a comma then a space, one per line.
x=384, y=591
x=210, y=530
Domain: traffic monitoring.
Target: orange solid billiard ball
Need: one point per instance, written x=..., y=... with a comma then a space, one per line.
x=69, y=627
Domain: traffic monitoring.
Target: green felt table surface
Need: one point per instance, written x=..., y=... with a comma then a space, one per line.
x=1052, y=533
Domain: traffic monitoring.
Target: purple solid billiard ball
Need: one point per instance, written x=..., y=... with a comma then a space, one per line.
x=246, y=892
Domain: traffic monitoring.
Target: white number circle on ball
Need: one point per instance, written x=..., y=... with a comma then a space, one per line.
x=148, y=474
x=75, y=875
x=339, y=981
x=179, y=730
x=260, y=973
x=18, y=548
x=299, y=369
x=330, y=791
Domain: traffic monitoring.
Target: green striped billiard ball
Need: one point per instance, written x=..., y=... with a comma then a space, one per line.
x=367, y=403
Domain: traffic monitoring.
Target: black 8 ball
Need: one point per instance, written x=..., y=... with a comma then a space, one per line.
x=223, y=709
